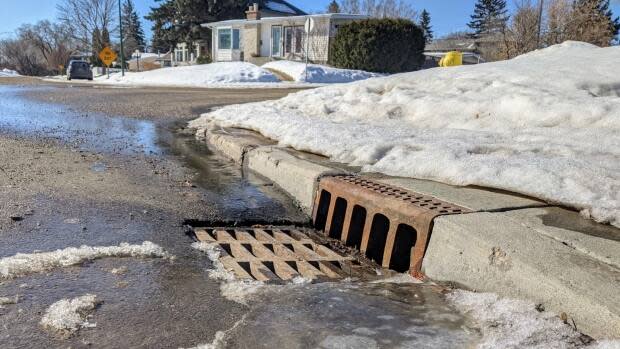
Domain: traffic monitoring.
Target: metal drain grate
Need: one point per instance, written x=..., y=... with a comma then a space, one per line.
x=390, y=225
x=274, y=253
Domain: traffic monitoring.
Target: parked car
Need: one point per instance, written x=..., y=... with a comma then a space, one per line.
x=79, y=70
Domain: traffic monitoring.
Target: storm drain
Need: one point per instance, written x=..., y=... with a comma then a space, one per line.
x=390, y=225
x=274, y=253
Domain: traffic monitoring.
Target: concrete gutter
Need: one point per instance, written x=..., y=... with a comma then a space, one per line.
x=511, y=245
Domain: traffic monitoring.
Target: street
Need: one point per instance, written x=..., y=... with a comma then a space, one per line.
x=95, y=166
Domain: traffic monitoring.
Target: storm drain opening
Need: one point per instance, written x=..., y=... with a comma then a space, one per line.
x=388, y=224
x=275, y=253
x=378, y=238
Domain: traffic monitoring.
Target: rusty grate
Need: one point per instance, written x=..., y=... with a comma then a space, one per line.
x=390, y=225
x=274, y=253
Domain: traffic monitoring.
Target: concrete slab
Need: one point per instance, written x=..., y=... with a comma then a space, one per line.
x=475, y=199
x=506, y=253
x=298, y=177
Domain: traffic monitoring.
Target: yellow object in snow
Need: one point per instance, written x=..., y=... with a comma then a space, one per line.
x=452, y=59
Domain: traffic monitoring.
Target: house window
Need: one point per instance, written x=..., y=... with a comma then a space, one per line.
x=236, y=39
x=293, y=39
x=224, y=39
x=229, y=38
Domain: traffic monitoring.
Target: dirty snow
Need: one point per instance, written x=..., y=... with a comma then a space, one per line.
x=510, y=323
x=206, y=75
x=69, y=315
x=7, y=73
x=22, y=264
x=9, y=300
x=540, y=124
x=231, y=288
x=318, y=74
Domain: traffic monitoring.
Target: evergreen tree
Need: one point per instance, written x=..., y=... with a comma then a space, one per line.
x=614, y=23
x=133, y=35
x=593, y=22
x=163, y=26
x=490, y=17
x=177, y=21
x=333, y=7
x=425, y=24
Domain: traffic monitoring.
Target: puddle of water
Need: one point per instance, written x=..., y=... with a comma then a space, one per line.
x=93, y=132
x=351, y=315
x=98, y=167
x=239, y=195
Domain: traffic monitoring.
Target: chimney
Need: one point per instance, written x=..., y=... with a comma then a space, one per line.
x=252, y=13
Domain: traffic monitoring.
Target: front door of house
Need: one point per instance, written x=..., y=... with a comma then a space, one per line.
x=276, y=41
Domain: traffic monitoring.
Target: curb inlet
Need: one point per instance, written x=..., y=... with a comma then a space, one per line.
x=389, y=225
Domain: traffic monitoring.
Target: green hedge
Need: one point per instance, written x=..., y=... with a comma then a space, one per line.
x=378, y=45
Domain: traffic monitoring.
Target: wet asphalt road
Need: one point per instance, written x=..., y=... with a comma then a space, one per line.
x=94, y=166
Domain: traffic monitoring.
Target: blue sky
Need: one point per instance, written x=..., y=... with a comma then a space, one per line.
x=447, y=15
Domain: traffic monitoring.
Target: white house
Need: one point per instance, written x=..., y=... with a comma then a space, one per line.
x=263, y=36
x=184, y=55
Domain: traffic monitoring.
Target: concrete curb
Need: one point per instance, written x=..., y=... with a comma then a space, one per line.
x=493, y=252
x=508, y=246
x=298, y=177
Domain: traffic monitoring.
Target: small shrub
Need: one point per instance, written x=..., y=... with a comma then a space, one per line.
x=204, y=59
x=378, y=45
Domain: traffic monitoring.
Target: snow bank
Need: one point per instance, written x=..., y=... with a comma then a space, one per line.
x=509, y=323
x=4, y=73
x=22, y=264
x=205, y=75
x=318, y=74
x=545, y=124
x=69, y=315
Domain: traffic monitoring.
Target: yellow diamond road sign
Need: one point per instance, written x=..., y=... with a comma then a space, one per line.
x=107, y=56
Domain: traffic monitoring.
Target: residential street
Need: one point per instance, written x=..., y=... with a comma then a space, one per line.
x=102, y=166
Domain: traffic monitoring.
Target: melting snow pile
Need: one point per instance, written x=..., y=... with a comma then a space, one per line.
x=8, y=73
x=318, y=74
x=545, y=124
x=22, y=264
x=509, y=323
x=205, y=75
x=69, y=315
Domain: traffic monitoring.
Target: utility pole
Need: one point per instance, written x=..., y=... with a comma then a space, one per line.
x=540, y=15
x=120, y=21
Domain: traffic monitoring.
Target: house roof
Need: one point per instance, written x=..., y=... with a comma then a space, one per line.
x=283, y=18
x=279, y=7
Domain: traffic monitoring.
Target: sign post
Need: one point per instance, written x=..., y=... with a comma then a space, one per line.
x=107, y=56
x=309, y=27
x=120, y=22
x=137, y=56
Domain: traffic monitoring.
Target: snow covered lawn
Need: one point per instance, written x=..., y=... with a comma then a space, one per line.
x=7, y=73
x=546, y=124
x=318, y=74
x=205, y=75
